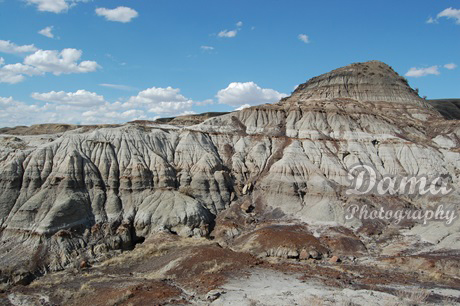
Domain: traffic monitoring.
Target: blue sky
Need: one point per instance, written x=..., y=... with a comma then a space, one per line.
x=176, y=57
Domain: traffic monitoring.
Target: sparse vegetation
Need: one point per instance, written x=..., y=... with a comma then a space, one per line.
x=417, y=296
x=120, y=299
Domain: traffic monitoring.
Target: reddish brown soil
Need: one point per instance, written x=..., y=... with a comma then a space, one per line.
x=208, y=267
x=343, y=242
x=156, y=292
x=295, y=237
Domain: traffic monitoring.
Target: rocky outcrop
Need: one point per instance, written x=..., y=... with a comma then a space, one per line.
x=292, y=157
x=370, y=81
x=286, y=241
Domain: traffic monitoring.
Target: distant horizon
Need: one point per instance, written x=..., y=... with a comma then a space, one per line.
x=99, y=62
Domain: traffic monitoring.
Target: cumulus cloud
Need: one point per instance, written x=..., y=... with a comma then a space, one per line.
x=2, y=61
x=242, y=107
x=238, y=94
x=433, y=70
x=420, y=72
x=450, y=13
x=304, y=38
x=205, y=102
x=47, y=32
x=450, y=66
x=18, y=113
x=66, y=108
x=120, y=14
x=239, y=24
x=161, y=101
x=80, y=98
x=15, y=113
x=15, y=73
x=85, y=107
x=108, y=115
x=63, y=62
x=7, y=46
x=42, y=61
x=54, y=6
x=6, y=102
x=227, y=33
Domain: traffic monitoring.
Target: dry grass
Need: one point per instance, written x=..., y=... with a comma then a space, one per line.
x=147, y=250
x=418, y=296
x=314, y=300
x=69, y=295
x=161, y=273
x=449, y=301
x=121, y=299
x=52, y=280
x=217, y=267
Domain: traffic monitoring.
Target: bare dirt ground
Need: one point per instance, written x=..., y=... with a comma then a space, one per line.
x=169, y=270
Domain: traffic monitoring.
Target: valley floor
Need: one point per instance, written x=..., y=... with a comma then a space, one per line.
x=169, y=270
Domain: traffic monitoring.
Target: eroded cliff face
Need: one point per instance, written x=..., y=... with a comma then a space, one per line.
x=91, y=190
x=370, y=81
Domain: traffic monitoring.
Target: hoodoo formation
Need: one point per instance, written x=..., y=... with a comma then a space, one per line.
x=369, y=81
x=244, y=179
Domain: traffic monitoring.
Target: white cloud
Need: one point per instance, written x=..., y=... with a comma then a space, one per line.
x=2, y=61
x=120, y=14
x=144, y=106
x=86, y=107
x=450, y=13
x=450, y=66
x=80, y=98
x=71, y=111
x=431, y=20
x=15, y=113
x=54, y=6
x=242, y=107
x=8, y=47
x=205, y=102
x=15, y=73
x=231, y=33
x=25, y=114
x=237, y=94
x=304, y=38
x=228, y=34
x=207, y=48
x=420, y=72
x=113, y=113
x=161, y=101
x=118, y=86
x=47, y=32
x=41, y=62
x=6, y=102
x=63, y=62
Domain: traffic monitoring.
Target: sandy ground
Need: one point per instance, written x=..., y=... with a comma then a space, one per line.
x=268, y=287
